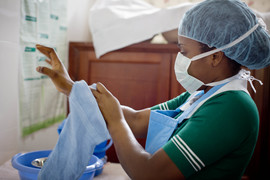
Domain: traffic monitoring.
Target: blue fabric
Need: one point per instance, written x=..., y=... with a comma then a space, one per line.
x=216, y=23
x=83, y=130
x=170, y=113
x=61, y=126
x=159, y=130
x=162, y=123
x=100, y=149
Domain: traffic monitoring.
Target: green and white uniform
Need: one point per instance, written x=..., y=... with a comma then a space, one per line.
x=219, y=137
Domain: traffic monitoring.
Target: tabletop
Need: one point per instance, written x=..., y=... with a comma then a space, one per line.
x=110, y=171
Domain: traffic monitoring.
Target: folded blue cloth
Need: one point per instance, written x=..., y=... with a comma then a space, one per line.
x=84, y=129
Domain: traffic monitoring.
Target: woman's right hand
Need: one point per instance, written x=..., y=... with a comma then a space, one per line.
x=57, y=72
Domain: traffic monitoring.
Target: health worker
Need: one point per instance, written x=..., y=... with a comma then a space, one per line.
x=209, y=131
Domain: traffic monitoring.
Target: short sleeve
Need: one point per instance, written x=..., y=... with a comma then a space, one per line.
x=173, y=103
x=215, y=130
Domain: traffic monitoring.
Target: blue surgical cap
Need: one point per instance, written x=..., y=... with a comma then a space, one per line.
x=217, y=23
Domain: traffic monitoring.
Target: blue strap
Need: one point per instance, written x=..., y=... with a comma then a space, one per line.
x=173, y=113
x=185, y=114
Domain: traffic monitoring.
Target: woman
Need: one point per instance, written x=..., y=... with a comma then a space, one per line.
x=208, y=132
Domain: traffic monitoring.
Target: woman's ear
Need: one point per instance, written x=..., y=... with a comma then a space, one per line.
x=217, y=58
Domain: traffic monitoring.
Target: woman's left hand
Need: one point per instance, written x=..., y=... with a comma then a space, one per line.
x=108, y=105
x=57, y=72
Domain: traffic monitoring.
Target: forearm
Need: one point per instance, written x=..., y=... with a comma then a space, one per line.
x=132, y=156
x=129, y=113
x=135, y=160
x=137, y=120
x=138, y=163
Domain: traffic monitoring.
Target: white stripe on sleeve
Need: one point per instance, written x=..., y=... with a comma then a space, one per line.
x=194, y=155
x=163, y=106
x=175, y=143
x=160, y=107
x=167, y=107
x=192, y=158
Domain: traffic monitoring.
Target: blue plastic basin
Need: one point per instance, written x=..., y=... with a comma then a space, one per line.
x=22, y=162
x=100, y=149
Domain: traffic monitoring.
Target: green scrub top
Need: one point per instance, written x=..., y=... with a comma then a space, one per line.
x=218, y=140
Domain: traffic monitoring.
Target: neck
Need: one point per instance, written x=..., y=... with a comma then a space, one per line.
x=224, y=77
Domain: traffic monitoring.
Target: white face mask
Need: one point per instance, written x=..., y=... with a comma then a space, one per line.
x=182, y=63
x=190, y=83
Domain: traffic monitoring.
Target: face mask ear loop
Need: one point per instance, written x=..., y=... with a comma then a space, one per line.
x=231, y=44
x=246, y=75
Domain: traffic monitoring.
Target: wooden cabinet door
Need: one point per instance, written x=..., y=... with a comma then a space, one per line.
x=137, y=79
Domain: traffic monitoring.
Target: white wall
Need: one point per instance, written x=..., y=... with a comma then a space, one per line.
x=9, y=46
x=41, y=140
x=78, y=29
x=10, y=140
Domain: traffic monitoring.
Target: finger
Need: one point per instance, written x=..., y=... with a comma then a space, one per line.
x=48, y=61
x=101, y=88
x=46, y=71
x=95, y=93
x=54, y=56
x=49, y=52
x=44, y=50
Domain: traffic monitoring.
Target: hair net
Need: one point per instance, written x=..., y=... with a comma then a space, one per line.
x=219, y=22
